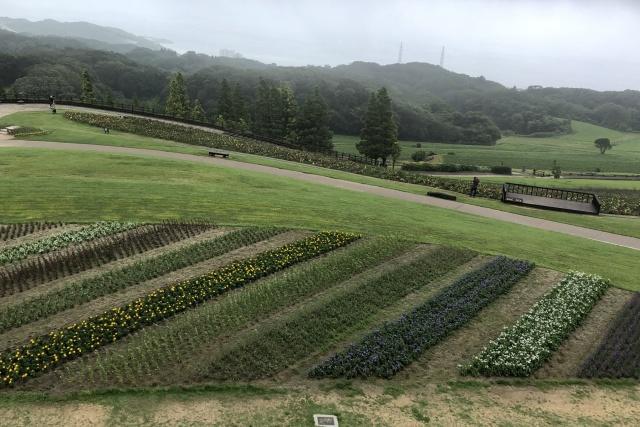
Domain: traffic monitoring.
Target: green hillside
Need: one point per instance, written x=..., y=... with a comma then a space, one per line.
x=574, y=152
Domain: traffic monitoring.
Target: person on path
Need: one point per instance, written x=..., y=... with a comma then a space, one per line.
x=50, y=101
x=474, y=186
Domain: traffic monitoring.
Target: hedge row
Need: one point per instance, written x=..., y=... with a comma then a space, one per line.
x=389, y=349
x=524, y=347
x=189, y=135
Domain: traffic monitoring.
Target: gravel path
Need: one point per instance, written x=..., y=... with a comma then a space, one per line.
x=543, y=224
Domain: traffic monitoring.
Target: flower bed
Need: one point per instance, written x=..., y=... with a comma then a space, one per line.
x=387, y=350
x=47, y=351
x=618, y=355
x=140, y=126
x=524, y=347
x=39, y=307
x=59, y=241
x=20, y=276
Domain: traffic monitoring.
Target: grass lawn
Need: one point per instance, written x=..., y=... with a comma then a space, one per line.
x=574, y=152
x=80, y=186
x=566, y=183
x=68, y=131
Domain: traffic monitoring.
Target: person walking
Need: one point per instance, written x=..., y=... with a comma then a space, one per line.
x=50, y=101
x=474, y=186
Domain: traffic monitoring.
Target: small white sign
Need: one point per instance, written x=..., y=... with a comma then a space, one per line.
x=321, y=420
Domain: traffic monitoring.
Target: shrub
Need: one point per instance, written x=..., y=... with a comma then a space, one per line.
x=501, y=170
x=418, y=156
x=441, y=195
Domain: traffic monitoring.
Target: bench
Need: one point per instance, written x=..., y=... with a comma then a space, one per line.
x=551, y=198
x=223, y=154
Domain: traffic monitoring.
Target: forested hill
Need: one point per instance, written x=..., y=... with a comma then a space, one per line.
x=78, y=30
x=430, y=103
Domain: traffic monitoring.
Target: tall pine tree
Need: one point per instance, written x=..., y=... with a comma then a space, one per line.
x=177, y=102
x=262, y=121
x=288, y=112
x=312, y=125
x=197, y=112
x=86, y=86
x=239, y=110
x=380, y=131
x=225, y=102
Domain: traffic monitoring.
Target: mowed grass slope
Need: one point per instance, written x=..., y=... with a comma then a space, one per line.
x=574, y=152
x=72, y=186
x=64, y=130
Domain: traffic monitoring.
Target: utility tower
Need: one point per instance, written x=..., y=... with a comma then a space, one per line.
x=400, y=54
x=442, y=58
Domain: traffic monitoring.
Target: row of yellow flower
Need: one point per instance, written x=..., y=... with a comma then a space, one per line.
x=47, y=351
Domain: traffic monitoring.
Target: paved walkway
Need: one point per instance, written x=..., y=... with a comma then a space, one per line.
x=543, y=224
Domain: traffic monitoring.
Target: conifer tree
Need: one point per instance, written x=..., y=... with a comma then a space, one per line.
x=197, y=112
x=177, y=102
x=380, y=131
x=87, y=94
x=288, y=113
x=312, y=125
x=262, y=116
x=225, y=102
x=239, y=110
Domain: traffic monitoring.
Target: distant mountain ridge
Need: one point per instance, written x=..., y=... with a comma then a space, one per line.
x=77, y=30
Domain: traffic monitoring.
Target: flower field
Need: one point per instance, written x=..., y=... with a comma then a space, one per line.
x=618, y=355
x=388, y=349
x=522, y=348
x=13, y=231
x=144, y=305
x=45, y=352
x=62, y=240
x=84, y=255
x=32, y=309
x=612, y=202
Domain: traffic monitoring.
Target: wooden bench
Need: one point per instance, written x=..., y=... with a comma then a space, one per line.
x=223, y=154
x=551, y=198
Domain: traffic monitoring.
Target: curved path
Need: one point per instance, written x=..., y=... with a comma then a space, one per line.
x=615, y=239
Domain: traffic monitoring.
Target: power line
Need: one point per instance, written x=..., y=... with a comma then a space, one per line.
x=400, y=54
x=442, y=58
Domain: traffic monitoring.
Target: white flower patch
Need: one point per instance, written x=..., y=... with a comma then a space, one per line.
x=522, y=348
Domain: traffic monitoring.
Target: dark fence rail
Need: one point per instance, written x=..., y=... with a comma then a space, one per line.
x=151, y=112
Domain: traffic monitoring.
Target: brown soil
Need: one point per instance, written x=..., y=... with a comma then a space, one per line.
x=17, y=336
x=566, y=361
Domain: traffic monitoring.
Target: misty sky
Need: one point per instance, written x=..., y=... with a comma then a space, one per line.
x=575, y=43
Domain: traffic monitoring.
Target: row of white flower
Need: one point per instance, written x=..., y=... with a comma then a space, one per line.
x=522, y=348
x=62, y=240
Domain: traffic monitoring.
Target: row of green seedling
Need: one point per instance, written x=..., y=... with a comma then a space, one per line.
x=48, y=351
x=26, y=274
x=62, y=240
x=14, y=231
x=387, y=350
x=618, y=355
x=86, y=290
x=313, y=327
x=182, y=347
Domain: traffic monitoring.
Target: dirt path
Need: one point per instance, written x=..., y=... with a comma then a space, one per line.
x=602, y=236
